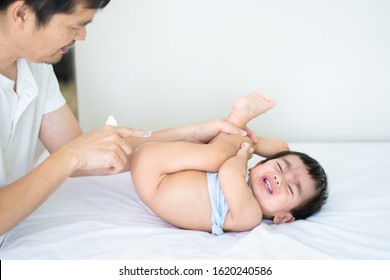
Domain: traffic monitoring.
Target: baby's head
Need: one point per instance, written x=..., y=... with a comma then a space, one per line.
x=289, y=185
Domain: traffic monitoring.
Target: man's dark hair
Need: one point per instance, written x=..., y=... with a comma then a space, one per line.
x=45, y=9
x=317, y=173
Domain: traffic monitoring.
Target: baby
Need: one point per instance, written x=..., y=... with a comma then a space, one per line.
x=207, y=187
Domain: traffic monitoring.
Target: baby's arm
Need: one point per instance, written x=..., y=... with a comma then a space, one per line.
x=267, y=146
x=244, y=210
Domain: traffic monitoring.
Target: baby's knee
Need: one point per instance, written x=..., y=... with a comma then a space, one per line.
x=139, y=159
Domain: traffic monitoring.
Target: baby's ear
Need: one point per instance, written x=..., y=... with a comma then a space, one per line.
x=284, y=218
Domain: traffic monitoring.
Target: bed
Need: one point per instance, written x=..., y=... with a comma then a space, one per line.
x=95, y=218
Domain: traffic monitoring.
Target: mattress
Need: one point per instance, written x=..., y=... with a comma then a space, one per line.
x=96, y=218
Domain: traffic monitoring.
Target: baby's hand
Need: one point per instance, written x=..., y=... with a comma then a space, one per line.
x=246, y=150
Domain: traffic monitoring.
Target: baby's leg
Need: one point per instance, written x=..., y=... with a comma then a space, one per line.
x=150, y=163
x=248, y=107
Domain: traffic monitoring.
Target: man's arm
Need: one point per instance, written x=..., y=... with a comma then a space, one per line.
x=201, y=133
x=60, y=128
x=103, y=149
x=196, y=133
x=21, y=198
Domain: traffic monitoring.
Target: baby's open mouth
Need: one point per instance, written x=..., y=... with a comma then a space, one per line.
x=268, y=185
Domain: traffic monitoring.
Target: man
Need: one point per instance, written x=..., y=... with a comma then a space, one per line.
x=33, y=35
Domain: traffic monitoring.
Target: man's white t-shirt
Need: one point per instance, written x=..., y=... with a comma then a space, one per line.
x=37, y=93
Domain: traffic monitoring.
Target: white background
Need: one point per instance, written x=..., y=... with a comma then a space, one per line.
x=161, y=63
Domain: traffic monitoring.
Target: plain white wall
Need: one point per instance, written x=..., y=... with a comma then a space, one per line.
x=161, y=63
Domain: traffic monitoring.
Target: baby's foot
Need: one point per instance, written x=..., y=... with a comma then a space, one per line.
x=248, y=107
x=245, y=150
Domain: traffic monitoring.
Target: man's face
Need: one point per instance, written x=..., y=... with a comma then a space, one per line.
x=50, y=42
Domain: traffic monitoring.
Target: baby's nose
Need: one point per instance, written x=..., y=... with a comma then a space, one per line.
x=277, y=180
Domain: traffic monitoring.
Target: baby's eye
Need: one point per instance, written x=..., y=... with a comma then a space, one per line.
x=279, y=167
x=291, y=190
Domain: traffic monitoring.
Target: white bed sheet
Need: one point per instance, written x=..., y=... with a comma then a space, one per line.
x=102, y=218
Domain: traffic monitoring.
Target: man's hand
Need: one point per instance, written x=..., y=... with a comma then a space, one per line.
x=105, y=149
x=206, y=131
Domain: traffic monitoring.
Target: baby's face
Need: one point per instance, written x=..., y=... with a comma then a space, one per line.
x=281, y=184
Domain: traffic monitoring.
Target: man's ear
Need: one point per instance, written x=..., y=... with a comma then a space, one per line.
x=19, y=12
x=284, y=218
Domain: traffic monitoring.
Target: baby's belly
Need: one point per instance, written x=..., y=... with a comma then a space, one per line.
x=183, y=200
